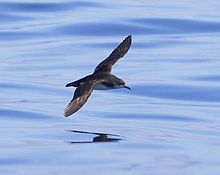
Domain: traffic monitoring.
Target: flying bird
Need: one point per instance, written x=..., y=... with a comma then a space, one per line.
x=100, y=79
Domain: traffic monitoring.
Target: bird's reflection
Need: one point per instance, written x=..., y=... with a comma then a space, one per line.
x=98, y=137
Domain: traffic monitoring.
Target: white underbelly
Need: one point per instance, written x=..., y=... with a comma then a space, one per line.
x=101, y=86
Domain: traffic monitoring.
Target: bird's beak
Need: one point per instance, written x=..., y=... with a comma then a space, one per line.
x=127, y=87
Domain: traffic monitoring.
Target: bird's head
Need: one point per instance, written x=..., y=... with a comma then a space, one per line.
x=121, y=84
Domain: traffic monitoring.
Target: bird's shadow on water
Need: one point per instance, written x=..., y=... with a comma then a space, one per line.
x=96, y=137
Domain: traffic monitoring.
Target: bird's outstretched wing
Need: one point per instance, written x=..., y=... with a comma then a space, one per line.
x=119, y=52
x=77, y=83
x=81, y=95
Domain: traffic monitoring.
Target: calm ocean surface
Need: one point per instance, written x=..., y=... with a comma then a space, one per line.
x=168, y=124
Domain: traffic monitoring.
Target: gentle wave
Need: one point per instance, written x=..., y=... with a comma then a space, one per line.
x=152, y=117
x=179, y=26
x=19, y=114
x=122, y=28
x=178, y=92
x=33, y=88
x=212, y=78
x=34, y=7
x=140, y=27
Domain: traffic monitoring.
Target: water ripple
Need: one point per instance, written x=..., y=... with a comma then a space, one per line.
x=179, y=92
x=31, y=88
x=213, y=78
x=103, y=29
x=154, y=117
x=19, y=114
x=45, y=6
x=140, y=26
x=12, y=18
x=173, y=26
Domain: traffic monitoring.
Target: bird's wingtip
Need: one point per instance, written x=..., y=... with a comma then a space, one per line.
x=128, y=39
x=129, y=36
x=70, y=84
x=65, y=114
x=67, y=85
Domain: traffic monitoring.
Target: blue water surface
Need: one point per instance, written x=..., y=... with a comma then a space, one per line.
x=168, y=124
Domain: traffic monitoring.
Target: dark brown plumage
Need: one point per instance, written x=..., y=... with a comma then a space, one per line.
x=100, y=79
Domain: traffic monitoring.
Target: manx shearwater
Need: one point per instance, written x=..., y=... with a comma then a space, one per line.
x=100, y=79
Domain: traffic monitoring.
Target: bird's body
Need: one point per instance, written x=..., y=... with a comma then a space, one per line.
x=100, y=79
